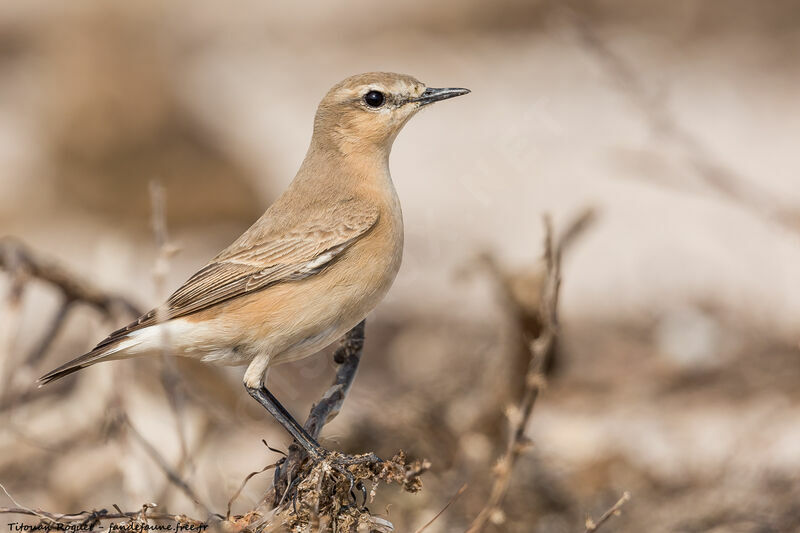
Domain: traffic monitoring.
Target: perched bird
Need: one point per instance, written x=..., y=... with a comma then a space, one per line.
x=311, y=268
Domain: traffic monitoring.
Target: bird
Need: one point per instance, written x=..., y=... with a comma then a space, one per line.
x=320, y=258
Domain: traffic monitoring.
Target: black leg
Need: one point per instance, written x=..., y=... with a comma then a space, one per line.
x=301, y=436
x=271, y=403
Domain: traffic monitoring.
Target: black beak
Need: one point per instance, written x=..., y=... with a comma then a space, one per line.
x=432, y=95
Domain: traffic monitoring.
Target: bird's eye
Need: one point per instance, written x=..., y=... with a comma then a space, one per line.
x=374, y=98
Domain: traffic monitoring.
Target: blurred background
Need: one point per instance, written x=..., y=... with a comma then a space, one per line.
x=677, y=368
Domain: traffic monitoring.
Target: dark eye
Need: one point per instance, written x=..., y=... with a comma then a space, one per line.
x=374, y=98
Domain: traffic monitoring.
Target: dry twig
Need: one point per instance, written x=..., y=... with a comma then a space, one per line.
x=238, y=492
x=87, y=520
x=170, y=377
x=316, y=493
x=614, y=510
x=173, y=476
x=89, y=517
x=22, y=264
x=447, y=505
x=348, y=356
x=518, y=416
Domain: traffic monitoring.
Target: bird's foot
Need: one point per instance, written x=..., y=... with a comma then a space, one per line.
x=347, y=469
x=340, y=462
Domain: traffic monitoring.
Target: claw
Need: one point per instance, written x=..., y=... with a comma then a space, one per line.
x=346, y=473
x=360, y=486
x=353, y=499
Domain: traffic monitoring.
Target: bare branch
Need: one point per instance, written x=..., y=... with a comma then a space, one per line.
x=348, y=356
x=23, y=264
x=170, y=377
x=540, y=350
x=101, y=514
x=173, y=476
x=592, y=526
x=90, y=518
x=576, y=227
x=242, y=486
x=20, y=260
x=447, y=505
x=50, y=334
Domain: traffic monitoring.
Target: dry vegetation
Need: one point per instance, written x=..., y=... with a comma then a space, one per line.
x=308, y=494
x=668, y=370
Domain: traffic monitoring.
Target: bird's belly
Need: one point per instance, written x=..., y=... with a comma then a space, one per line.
x=344, y=299
x=289, y=321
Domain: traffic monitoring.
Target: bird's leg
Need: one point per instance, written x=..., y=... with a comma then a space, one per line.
x=271, y=403
x=347, y=358
x=301, y=436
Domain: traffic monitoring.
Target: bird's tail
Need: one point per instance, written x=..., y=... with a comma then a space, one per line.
x=102, y=352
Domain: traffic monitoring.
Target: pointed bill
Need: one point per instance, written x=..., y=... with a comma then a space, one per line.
x=432, y=95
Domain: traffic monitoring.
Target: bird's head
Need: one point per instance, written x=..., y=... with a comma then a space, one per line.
x=366, y=112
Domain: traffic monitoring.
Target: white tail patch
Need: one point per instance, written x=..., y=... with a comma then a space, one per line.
x=167, y=337
x=179, y=337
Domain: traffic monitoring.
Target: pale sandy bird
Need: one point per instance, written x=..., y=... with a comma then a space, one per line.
x=311, y=268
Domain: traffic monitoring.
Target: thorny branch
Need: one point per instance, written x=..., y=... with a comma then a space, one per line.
x=518, y=416
x=542, y=312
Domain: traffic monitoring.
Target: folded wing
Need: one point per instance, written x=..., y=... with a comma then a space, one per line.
x=255, y=263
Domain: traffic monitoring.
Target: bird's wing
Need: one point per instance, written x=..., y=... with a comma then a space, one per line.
x=275, y=255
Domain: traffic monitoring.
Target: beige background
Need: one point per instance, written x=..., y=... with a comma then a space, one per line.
x=678, y=122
